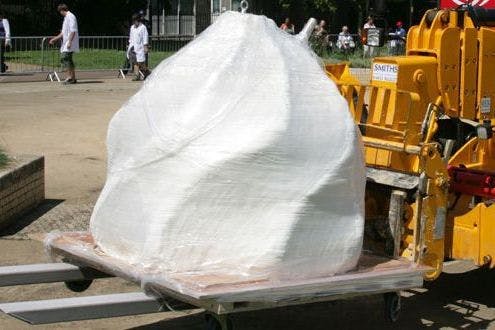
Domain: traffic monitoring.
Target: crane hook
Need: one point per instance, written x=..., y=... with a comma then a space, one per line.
x=244, y=6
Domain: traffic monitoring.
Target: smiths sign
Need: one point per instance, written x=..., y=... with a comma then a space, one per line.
x=385, y=72
x=457, y=3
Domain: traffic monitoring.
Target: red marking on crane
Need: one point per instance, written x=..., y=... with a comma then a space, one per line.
x=472, y=182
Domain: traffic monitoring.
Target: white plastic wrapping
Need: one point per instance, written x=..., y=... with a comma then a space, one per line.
x=237, y=156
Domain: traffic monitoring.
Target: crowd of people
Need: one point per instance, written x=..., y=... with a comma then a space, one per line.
x=346, y=43
x=137, y=50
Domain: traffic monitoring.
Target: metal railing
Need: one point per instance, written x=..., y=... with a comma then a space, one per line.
x=30, y=59
x=330, y=46
x=35, y=54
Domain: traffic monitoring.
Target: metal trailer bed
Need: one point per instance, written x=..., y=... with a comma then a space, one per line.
x=219, y=296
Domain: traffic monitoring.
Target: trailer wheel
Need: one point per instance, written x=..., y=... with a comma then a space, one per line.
x=392, y=306
x=78, y=286
x=218, y=322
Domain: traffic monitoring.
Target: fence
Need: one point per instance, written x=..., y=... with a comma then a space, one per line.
x=35, y=54
x=330, y=46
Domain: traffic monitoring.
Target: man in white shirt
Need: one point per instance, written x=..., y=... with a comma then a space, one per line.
x=70, y=42
x=369, y=51
x=138, y=47
x=4, y=41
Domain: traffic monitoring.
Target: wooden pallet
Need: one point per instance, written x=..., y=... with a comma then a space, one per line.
x=228, y=294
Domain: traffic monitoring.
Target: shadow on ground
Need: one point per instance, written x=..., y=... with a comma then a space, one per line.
x=456, y=301
x=79, y=82
x=27, y=219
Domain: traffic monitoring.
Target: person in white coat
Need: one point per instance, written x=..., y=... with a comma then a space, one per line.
x=138, y=47
x=4, y=40
x=70, y=42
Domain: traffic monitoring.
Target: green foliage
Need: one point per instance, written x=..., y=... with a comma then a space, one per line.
x=40, y=17
x=325, y=5
x=355, y=60
x=285, y=4
x=311, y=5
x=4, y=159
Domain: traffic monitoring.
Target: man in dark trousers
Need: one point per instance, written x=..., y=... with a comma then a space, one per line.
x=70, y=42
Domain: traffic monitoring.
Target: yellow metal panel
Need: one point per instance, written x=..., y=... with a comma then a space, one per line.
x=448, y=66
x=340, y=73
x=416, y=86
x=391, y=112
x=486, y=71
x=476, y=154
x=466, y=235
x=473, y=234
x=377, y=157
x=429, y=234
x=487, y=233
x=469, y=71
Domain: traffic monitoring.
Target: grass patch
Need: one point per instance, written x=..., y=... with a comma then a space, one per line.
x=101, y=59
x=356, y=59
x=86, y=59
x=4, y=159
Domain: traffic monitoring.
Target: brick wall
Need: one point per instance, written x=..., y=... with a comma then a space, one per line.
x=22, y=187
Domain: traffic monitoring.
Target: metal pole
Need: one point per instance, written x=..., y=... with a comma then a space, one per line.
x=194, y=18
x=411, y=12
x=43, y=54
x=178, y=17
x=148, y=10
x=82, y=308
x=162, y=32
x=46, y=273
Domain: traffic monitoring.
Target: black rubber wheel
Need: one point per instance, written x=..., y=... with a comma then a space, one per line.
x=78, y=286
x=212, y=323
x=392, y=306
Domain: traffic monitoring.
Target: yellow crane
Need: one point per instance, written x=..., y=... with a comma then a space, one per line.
x=426, y=120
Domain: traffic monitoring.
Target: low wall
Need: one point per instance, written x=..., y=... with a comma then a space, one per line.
x=22, y=187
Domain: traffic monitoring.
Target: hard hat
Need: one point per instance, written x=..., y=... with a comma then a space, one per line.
x=399, y=23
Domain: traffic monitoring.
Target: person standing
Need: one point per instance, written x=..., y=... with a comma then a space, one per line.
x=321, y=29
x=138, y=47
x=70, y=42
x=320, y=39
x=368, y=50
x=287, y=26
x=4, y=40
x=145, y=22
x=398, y=39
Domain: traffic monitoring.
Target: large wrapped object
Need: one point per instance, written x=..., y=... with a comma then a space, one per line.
x=237, y=156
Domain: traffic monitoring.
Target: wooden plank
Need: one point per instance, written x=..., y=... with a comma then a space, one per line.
x=226, y=294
